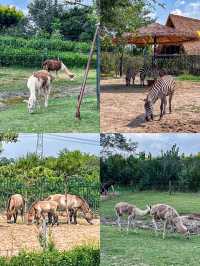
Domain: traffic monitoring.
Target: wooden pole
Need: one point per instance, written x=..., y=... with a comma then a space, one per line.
x=80, y=96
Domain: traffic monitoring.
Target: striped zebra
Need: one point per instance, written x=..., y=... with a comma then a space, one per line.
x=149, y=71
x=130, y=74
x=144, y=71
x=163, y=87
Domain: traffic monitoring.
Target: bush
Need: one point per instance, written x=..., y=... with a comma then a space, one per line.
x=82, y=256
x=38, y=43
x=32, y=57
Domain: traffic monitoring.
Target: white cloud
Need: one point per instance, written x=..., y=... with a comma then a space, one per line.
x=189, y=10
x=177, y=12
x=180, y=2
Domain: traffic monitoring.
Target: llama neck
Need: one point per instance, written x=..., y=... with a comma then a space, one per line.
x=140, y=212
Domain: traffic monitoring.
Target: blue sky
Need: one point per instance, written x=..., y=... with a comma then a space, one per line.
x=154, y=143
x=188, y=8
x=22, y=4
x=53, y=143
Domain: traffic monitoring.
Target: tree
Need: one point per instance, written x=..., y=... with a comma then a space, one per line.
x=7, y=137
x=78, y=23
x=9, y=16
x=45, y=13
x=116, y=142
x=122, y=16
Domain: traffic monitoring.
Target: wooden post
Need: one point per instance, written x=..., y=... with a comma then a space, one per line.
x=80, y=96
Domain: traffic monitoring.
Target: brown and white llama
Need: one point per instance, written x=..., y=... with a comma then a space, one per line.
x=166, y=213
x=57, y=65
x=123, y=208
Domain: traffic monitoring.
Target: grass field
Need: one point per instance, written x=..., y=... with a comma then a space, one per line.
x=59, y=116
x=142, y=247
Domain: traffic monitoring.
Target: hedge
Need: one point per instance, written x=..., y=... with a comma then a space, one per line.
x=41, y=43
x=82, y=256
x=34, y=58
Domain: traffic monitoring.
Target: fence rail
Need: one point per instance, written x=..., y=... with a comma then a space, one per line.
x=33, y=192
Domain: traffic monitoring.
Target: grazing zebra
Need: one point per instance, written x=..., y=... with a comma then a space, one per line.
x=163, y=87
x=130, y=74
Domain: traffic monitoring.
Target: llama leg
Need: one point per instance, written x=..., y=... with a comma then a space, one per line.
x=129, y=222
x=119, y=222
x=164, y=229
x=155, y=226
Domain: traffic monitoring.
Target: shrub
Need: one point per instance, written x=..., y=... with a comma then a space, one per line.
x=84, y=256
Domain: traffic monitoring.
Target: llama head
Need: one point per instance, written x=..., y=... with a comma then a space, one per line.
x=148, y=107
x=148, y=206
x=31, y=104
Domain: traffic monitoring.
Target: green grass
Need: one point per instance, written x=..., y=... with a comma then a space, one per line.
x=14, y=79
x=60, y=115
x=142, y=247
x=188, y=77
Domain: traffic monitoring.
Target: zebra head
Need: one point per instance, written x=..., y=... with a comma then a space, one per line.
x=148, y=107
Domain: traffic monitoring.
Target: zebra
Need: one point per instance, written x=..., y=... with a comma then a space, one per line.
x=144, y=71
x=130, y=74
x=163, y=87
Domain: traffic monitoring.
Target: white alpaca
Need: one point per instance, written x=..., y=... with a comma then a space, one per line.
x=38, y=84
x=122, y=208
x=170, y=216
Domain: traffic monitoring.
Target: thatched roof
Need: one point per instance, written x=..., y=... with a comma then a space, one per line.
x=190, y=25
x=163, y=35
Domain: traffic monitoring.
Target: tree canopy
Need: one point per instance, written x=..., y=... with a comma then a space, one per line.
x=9, y=16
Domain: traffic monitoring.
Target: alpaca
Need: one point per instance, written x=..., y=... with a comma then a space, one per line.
x=170, y=216
x=132, y=211
x=57, y=65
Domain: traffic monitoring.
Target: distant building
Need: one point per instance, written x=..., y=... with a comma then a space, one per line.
x=183, y=24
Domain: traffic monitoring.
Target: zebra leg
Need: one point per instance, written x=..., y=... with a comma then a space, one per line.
x=161, y=108
x=170, y=102
x=164, y=105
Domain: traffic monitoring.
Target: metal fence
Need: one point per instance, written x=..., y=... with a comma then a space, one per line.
x=34, y=192
x=173, y=64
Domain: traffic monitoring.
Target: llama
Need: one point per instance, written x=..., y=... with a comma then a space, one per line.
x=170, y=216
x=39, y=83
x=132, y=211
x=57, y=65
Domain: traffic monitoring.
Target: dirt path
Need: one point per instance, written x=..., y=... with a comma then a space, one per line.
x=18, y=237
x=191, y=222
x=122, y=109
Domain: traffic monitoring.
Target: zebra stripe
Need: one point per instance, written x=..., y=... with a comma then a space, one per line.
x=144, y=71
x=163, y=87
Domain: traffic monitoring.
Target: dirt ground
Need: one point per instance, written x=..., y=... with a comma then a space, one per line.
x=191, y=221
x=122, y=109
x=18, y=237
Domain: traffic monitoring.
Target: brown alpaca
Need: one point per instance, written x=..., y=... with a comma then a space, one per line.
x=170, y=216
x=57, y=65
x=122, y=208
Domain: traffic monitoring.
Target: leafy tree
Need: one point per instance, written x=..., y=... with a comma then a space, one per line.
x=9, y=16
x=45, y=14
x=78, y=23
x=116, y=142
